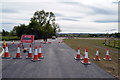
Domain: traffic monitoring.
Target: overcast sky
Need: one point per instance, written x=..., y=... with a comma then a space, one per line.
x=83, y=16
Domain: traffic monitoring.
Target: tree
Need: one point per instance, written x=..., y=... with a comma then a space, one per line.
x=42, y=24
x=5, y=33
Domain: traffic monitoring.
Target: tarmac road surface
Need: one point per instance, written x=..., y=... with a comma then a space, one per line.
x=58, y=62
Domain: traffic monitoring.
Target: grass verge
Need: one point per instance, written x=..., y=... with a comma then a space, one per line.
x=9, y=38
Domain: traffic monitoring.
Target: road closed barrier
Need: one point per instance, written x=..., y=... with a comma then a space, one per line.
x=27, y=39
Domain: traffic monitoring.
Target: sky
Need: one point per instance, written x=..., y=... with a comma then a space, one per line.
x=73, y=16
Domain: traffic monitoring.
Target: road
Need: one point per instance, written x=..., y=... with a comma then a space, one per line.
x=58, y=62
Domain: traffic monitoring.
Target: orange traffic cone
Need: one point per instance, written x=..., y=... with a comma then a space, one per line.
x=35, y=59
x=97, y=58
x=44, y=42
x=13, y=42
x=41, y=42
x=40, y=53
x=107, y=56
x=18, y=56
x=50, y=42
x=6, y=54
x=29, y=53
x=78, y=56
x=85, y=61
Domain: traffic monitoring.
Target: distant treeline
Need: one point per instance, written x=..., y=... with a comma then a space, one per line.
x=42, y=25
x=115, y=35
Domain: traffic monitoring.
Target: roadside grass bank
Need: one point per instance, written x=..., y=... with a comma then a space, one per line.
x=92, y=45
x=10, y=38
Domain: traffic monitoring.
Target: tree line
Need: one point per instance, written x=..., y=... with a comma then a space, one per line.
x=42, y=24
x=115, y=35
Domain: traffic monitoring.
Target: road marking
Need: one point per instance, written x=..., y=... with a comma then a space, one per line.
x=1, y=52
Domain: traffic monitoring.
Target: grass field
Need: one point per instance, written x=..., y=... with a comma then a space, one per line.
x=8, y=38
x=92, y=45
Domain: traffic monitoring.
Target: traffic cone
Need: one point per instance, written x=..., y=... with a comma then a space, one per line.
x=97, y=58
x=6, y=54
x=41, y=42
x=107, y=56
x=18, y=56
x=40, y=53
x=4, y=44
x=78, y=56
x=44, y=42
x=13, y=42
x=85, y=61
x=35, y=58
x=29, y=53
x=50, y=42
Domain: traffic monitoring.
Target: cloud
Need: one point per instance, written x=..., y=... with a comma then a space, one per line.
x=102, y=11
x=68, y=19
x=71, y=15
x=58, y=15
x=7, y=23
x=72, y=3
x=106, y=21
x=9, y=11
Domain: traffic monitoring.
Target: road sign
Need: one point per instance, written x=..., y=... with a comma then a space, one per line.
x=27, y=39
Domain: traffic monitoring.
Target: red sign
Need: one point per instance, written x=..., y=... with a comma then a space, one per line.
x=27, y=39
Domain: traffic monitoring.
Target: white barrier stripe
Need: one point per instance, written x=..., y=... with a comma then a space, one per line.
x=6, y=49
x=36, y=52
x=2, y=52
x=86, y=54
x=18, y=50
x=97, y=52
x=78, y=51
x=107, y=53
x=30, y=50
x=40, y=50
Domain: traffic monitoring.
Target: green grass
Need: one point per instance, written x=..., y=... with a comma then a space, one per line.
x=9, y=38
x=92, y=45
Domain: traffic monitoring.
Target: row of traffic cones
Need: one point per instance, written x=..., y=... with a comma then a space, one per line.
x=37, y=53
x=107, y=56
x=85, y=59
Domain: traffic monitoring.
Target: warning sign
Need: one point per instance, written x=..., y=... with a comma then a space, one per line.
x=27, y=39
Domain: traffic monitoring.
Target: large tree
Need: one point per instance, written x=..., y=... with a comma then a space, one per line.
x=42, y=24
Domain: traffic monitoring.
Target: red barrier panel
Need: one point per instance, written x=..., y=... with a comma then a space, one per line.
x=27, y=39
